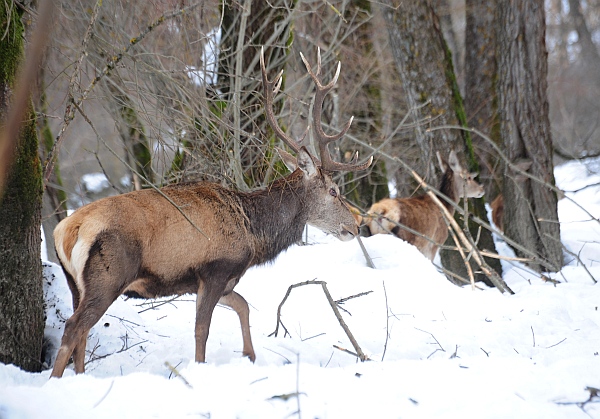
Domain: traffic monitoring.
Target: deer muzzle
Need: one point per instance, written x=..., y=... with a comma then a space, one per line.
x=348, y=232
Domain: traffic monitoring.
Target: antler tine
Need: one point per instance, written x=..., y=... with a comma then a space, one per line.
x=271, y=88
x=322, y=138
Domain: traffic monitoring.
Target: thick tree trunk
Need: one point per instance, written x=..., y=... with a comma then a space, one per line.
x=445, y=9
x=421, y=61
x=530, y=210
x=21, y=295
x=425, y=65
x=481, y=103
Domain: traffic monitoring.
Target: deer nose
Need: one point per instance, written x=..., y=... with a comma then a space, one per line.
x=348, y=232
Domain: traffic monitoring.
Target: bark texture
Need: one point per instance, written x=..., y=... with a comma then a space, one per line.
x=21, y=293
x=424, y=62
x=481, y=101
x=530, y=210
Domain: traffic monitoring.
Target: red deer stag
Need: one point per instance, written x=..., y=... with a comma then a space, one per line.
x=139, y=243
x=420, y=213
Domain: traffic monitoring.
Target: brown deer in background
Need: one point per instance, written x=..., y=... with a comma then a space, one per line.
x=497, y=205
x=421, y=213
x=141, y=243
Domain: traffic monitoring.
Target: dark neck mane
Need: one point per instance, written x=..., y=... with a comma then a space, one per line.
x=447, y=188
x=276, y=215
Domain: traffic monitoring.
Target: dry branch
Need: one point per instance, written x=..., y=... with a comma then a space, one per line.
x=370, y=263
x=359, y=353
x=476, y=219
x=487, y=270
x=177, y=373
x=112, y=63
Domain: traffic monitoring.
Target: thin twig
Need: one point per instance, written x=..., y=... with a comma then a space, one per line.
x=487, y=270
x=347, y=351
x=370, y=263
x=104, y=396
x=441, y=348
x=177, y=373
x=112, y=63
x=157, y=189
x=576, y=256
x=557, y=343
x=457, y=208
x=387, y=321
x=360, y=294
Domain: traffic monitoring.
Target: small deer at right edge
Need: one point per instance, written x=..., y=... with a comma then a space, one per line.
x=421, y=213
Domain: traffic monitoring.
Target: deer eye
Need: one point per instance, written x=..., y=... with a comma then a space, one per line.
x=332, y=192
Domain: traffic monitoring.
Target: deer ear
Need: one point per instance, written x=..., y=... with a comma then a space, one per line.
x=441, y=162
x=289, y=160
x=453, y=162
x=306, y=163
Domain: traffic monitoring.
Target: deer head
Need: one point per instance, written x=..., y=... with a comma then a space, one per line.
x=465, y=185
x=334, y=216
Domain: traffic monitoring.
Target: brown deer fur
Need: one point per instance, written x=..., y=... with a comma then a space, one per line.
x=421, y=213
x=497, y=206
x=139, y=243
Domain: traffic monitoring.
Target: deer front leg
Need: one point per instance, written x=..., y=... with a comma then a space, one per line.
x=240, y=306
x=209, y=293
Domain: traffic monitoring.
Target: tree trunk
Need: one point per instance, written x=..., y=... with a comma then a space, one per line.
x=445, y=10
x=530, y=210
x=425, y=64
x=21, y=294
x=481, y=103
x=589, y=53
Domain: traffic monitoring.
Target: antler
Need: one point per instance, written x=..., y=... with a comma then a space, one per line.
x=272, y=88
x=322, y=138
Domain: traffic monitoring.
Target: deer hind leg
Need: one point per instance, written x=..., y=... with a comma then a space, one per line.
x=79, y=350
x=79, y=354
x=77, y=329
x=240, y=306
x=105, y=276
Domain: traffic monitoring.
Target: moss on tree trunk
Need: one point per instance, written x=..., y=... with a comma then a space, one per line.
x=21, y=293
x=424, y=62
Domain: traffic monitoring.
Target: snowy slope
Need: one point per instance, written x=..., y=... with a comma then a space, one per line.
x=435, y=350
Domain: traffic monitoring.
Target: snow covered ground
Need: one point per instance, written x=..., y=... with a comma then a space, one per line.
x=436, y=350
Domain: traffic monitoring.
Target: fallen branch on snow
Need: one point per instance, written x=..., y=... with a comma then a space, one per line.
x=359, y=353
